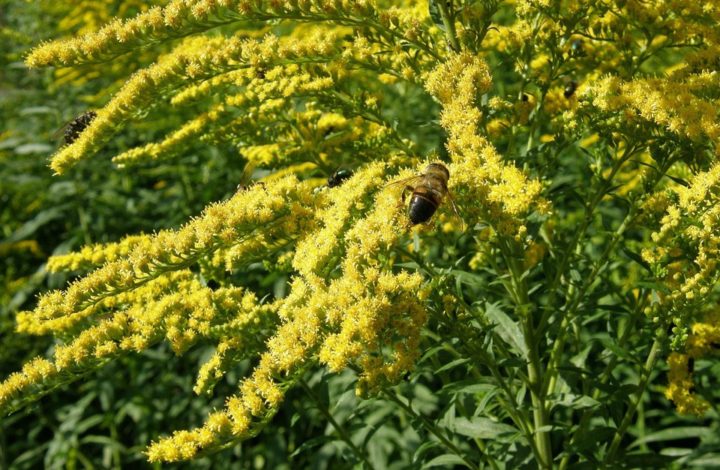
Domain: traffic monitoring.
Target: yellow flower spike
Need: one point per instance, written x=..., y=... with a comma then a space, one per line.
x=258, y=206
x=313, y=252
x=93, y=256
x=174, y=19
x=477, y=172
x=680, y=386
x=197, y=59
x=670, y=103
x=697, y=204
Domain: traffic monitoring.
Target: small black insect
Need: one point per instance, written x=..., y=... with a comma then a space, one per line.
x=524, y=98
x=337, y=178
x=570, y=89
x=75, y=127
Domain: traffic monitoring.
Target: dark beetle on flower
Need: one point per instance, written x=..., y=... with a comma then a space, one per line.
x=337, y=178
x=74, y=128
x=570, y=89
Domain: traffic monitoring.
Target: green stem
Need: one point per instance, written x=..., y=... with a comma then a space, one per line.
x=571, y=310
x=541, y=419
x=449, y=23
x=573, y=246
x=430, y=426
x=604, y=376
x=573, y=297
x=337, y=426
x=518, y=416
x=627, y=419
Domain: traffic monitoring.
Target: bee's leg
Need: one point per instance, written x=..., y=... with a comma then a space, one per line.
x=401, y=202
x=407, y=188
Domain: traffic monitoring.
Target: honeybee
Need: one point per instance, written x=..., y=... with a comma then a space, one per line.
x=338, y=177
x=428, y=192
x=72, y=130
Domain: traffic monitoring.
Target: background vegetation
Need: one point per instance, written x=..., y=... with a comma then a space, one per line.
x=451, y=410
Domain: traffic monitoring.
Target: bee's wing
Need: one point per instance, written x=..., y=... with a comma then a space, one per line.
x=246, y=176
x=62, y=129
x=404, y=181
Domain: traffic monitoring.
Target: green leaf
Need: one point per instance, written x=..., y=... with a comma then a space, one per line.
x=483, y=428
x=469, y=386
x=104, y=441
x=88, y=423
x=653, y=285
x=469, y=279
x=31, y=226
x=706, y=461
x=30, y=110
x=507, y=329
x=446, y=460
x=422, y=449
x=673, y=434
x=577, y=402
x=453, y=364
x=675, y=451
x=30, y=455
x=309, y=444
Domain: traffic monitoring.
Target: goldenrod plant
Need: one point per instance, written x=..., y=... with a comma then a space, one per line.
x=568, y=262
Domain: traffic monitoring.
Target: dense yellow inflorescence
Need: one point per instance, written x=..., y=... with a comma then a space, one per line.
x=354, y=319
x=197, y=59
x=504, y=192
x=704, y=341
x=674, y=105
x=174, y=306
x=179, y=17
x=692, y=221
x=94, y=256
x=298, y=101
x=284, y=206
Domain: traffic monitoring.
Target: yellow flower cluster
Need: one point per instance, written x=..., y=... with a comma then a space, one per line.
x=353, y=319
x=674, y=105
x=240, y=338
x=314, y=252
x=692, y=221
x=195, y=60
x=173, y=305
x=368, y=316
x=683, y=20
x=179, y=17
x=197, y=92
x=94, y=256
x=246, y=113
x=500, y=193
x=285, y=205
x=363, y=315
x=704, y=340
x=680, y=386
